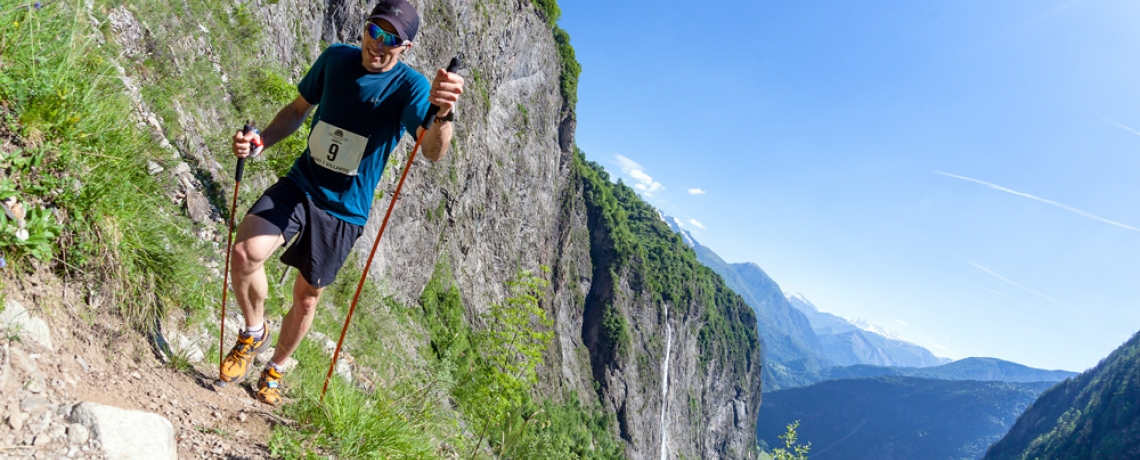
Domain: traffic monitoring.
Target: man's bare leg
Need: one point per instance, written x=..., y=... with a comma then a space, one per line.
x=257, y=239
x=298, y=320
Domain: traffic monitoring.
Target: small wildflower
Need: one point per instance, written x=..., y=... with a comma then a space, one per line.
x=38, y=5
x=3, y=263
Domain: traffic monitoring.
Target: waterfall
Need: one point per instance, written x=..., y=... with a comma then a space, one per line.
x=665, y=383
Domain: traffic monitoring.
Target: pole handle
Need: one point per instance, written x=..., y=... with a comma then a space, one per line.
x=452, y=67
x=250, y=126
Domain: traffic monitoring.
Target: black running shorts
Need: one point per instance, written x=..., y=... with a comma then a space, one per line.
x=324, y=241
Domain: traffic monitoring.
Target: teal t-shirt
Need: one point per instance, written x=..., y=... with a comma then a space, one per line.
x=359, y=119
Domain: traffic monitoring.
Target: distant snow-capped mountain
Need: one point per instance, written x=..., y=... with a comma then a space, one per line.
x=850, y=342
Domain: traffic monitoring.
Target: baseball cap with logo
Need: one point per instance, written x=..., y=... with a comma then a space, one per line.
x=402, y=16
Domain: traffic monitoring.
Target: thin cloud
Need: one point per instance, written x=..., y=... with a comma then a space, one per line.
x=902, y=322
x=1007, y=296
x=1050, y=202
x=1120, y=125
x=642, y=181
x=696, y=224
x=696, y=191
x=1014, y=284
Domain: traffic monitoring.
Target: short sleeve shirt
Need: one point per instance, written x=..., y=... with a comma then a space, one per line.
x=359, y=119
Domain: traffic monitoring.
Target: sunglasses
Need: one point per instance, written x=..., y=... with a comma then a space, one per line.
x=387, y=39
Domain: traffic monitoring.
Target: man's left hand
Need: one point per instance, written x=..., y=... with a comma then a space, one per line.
x=445, y=90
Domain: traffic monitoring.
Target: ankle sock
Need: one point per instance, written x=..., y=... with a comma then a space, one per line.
x=258, y=333
x=270, y=364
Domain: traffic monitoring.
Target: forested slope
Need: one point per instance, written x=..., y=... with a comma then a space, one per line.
x=1093, y=415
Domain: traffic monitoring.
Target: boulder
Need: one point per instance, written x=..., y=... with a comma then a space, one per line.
x=127, y=434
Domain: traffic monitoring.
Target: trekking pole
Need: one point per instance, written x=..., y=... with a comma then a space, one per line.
x=452, y=67
x=249, y=126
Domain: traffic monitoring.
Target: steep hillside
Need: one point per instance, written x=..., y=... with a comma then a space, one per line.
x=652, y=306
x=1093, y=415
x=896, y=417
x=645, y=345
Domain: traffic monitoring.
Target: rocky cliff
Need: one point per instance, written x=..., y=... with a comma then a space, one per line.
x=508, y=196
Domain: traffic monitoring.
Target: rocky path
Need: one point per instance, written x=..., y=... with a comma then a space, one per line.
x=81, y=388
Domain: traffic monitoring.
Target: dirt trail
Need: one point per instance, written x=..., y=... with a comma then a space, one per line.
x=99, y=359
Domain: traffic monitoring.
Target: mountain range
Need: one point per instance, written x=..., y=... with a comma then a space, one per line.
x=980, y=369
x=901, y=418
x=801, y=341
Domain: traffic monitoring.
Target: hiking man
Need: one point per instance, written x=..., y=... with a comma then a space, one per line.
x=365, y=100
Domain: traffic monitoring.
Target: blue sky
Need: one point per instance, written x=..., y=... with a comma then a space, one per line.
x=961, y=173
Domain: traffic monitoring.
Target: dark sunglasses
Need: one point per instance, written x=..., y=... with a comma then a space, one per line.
x=387, y=39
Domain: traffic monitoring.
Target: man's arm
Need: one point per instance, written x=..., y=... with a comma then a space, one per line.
x=285, y=123
x=445, y=91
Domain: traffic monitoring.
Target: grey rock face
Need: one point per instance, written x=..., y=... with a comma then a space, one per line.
x=197, y=206
x=126, y=434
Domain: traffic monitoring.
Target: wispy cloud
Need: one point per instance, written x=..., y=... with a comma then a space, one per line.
x=642, y=181
x=1002, y=294
x=1036, y=198
x=902, y=322
x=696, y=191
x=1014, y=284
x=696, y=224
x=1120, y=125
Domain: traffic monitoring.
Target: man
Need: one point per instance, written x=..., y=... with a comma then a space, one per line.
x=366, y=99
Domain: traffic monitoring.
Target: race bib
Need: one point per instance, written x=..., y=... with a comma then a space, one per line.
x=336, y=149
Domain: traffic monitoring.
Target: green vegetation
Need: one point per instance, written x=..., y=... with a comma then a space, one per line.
x=791, y=450
x=389, y=422
x=665, y=269
x=488, y=373
x=571, y=69
x=267, y=89
x=1093, y=415
x=80, y=170
x=912, y=417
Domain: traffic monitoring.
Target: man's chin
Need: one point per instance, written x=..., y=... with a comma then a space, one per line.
x=372, y=66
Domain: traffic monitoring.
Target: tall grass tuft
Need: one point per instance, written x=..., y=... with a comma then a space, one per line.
x=121, y=233
x=351, y=422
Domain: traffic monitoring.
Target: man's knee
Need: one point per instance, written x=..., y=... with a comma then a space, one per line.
x=248, y=257
x=256, y=240
x=305, y=296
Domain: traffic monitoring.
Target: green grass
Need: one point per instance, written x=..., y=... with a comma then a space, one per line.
x=395, y=422
x=70, y=112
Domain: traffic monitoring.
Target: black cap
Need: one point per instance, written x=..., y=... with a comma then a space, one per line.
x=402, y=16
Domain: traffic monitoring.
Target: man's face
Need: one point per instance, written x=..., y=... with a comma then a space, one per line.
x=377, y=57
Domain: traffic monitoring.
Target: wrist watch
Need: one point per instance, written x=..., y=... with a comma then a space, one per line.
x=450, y=116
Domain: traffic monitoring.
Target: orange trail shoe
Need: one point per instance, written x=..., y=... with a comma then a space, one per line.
x=237, y=366
x=269, y=387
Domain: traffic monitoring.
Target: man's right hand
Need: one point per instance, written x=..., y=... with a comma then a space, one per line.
x=247, y=144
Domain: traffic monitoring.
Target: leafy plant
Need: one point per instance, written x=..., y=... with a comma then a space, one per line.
x=509, y=350
x=791, y=451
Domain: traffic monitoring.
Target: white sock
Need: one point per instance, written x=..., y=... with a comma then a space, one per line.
x=271, y=364
x=258, y=333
